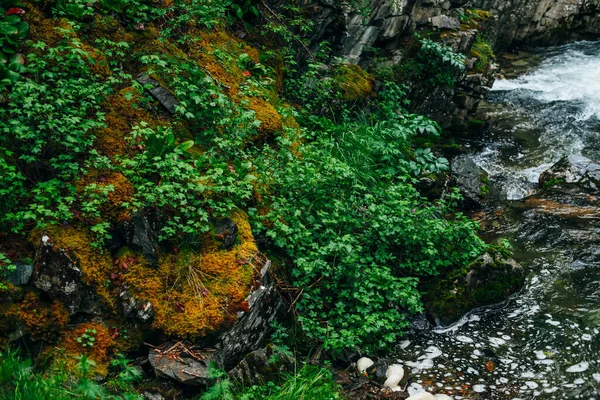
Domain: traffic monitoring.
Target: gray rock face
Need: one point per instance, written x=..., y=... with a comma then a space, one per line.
x=21, y=275
x=250, y=331
x=139, y=233
x=573, y=170
x=471, y=180
x=262, y=366
x=58, y=274
x=226, y=231
x=543, y=22
x=133, y=308
x=444, y=22
x=166, y=98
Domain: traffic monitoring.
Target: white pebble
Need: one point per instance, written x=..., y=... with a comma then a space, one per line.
x=363, y=364
x=394, y=369
x=421, y=396
x=582, y=366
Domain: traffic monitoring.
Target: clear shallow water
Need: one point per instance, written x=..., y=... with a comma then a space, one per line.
x=544, y=342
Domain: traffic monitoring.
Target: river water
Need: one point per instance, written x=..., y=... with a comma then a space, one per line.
x=544, y=342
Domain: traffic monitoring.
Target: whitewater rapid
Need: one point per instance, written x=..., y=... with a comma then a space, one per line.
x=544, y=342
x=542, y=116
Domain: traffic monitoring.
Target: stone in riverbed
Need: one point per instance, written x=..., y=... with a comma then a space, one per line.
x=363, y=364
x=489, y=279
x=471, y=180
x=573, y=170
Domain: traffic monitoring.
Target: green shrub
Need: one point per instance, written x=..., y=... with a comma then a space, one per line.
x=358, y=232
x=434, y=64
x=13, y=30
x=45, y=133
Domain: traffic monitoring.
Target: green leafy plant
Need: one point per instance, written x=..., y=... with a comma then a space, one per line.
x=21, y=379
x=5, y=266
x=45, y=131
x=88, y=338
x=359, y=234
x=437, y=64
x=13, y=31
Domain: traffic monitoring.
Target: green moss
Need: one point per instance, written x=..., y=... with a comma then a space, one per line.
x=353, y=82
x=484, y=52
x=553, y=182
x=484, y=189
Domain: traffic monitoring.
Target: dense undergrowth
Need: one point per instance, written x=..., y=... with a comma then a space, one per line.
x=324, y=166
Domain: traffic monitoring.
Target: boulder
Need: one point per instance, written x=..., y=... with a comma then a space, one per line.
x=471, y=180
x=139, y=233
x=57, y=273
x=247, y=335
x=488, y=280
x=574, y=171
x=181, y=367
x=261, y=366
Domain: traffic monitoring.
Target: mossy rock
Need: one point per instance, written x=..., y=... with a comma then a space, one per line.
x=488, y=280
x=353, y=82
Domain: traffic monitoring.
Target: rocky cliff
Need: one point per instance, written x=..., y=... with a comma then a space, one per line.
x=543, y=22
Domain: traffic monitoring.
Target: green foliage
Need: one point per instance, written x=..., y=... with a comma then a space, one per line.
x=75, y=9
x=554, y=182
x=5, y=266
x=359, y=233
x=222, y=389
x=13, y=30
x=87, y=339
x=45, y=131
x=21, y=380
x=484, y=52
x=187, y=189
x=310, y=382
x=436, y=64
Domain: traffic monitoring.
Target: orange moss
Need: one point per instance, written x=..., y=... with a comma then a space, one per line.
x=95, y=266
x=112, y=210
x=123, y=112
x=270, y=120
x=195, y=293
x=353, y=82
x=43, y=321
x=100, y=351
x=49, y=31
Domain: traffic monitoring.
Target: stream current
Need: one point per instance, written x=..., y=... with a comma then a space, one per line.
x=543, y=342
